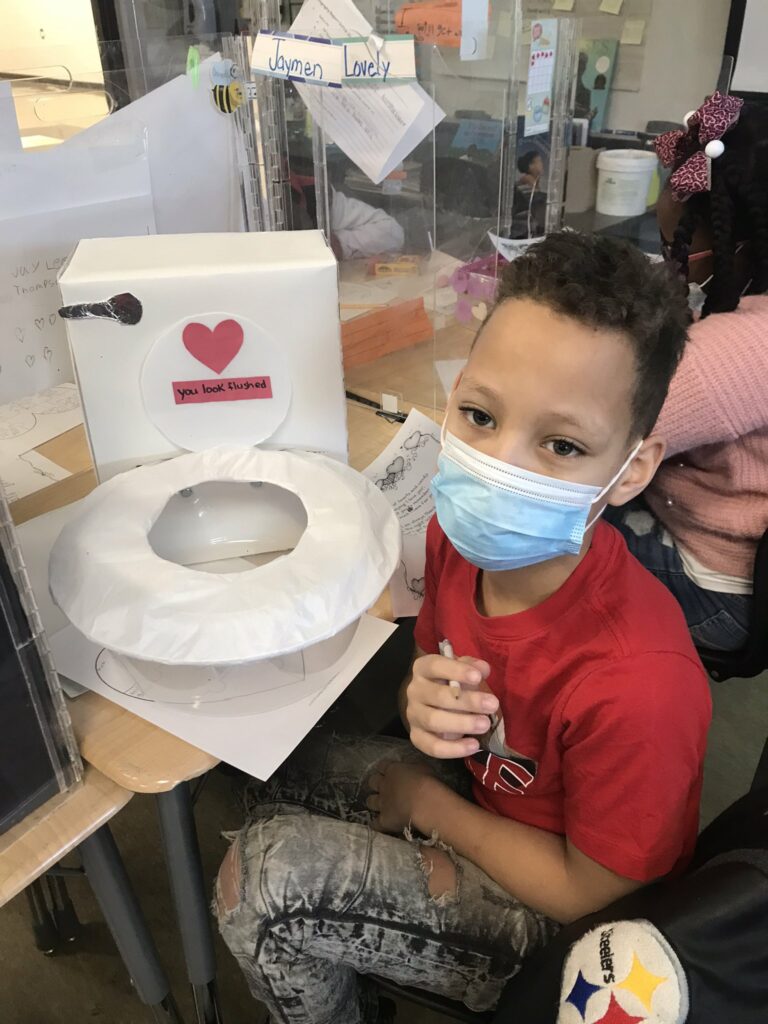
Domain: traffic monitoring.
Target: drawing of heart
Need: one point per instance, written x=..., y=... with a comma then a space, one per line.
x=20, y=333
x=214, y=348
x=52, y=318
x=40, y=324
x=47, y=354
x=30, y=361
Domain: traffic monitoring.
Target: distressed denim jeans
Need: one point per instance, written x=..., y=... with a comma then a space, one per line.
x=316, y=899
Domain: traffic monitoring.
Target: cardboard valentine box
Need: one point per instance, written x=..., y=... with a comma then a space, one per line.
x=183, y=342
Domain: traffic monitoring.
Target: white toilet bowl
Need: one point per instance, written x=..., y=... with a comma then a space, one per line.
x=306, y=546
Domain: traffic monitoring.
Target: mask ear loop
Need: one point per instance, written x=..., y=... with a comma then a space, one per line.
x=622, y=470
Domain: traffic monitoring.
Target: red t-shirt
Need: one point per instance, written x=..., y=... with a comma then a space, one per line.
x=604, y=705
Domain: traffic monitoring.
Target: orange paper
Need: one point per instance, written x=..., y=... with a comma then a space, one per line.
x=432, y=23
x=374, y=335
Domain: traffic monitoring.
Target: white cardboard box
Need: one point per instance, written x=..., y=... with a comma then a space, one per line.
x=238, y=341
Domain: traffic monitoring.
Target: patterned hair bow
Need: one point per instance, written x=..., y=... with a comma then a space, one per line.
x=691, y=150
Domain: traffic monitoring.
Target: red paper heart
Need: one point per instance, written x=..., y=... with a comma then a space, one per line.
x=214, y=348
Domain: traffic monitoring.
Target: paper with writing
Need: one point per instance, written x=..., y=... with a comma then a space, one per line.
x=541, y=71
x=403, y=472
x=376, y=128
x=474, y=30
x=290, y=56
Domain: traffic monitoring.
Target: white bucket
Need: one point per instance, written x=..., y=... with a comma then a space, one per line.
x=624, y=179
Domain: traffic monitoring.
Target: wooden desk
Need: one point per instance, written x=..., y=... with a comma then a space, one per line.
x=143, y=758
x=78, y=820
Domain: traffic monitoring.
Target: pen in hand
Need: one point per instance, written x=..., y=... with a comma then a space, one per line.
x=446, y=650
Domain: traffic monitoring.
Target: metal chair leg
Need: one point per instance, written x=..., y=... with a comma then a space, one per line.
x=43, y=927
x=112, y=887
x=185, y=871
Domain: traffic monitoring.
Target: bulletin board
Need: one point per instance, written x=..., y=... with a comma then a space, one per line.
x=629, y=26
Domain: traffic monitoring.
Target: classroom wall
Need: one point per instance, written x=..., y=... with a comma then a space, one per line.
x=683, y=50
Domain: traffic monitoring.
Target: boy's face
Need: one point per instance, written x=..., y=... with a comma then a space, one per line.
x=548, y=394
x=537, y=167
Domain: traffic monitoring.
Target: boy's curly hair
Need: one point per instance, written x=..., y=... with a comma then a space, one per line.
x=609, y=284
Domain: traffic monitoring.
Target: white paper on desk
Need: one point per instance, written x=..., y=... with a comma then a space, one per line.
x=49, y=200
x=27, y=473
x=256, y=744
x=403, y=472
x=30, y=422
x=10, y=141
x=376, y=126
x=192, y=154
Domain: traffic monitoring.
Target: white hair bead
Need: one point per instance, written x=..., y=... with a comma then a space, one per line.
x=714, y=149
x=688, y=117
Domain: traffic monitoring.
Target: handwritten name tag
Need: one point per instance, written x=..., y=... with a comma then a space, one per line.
x=298, y=58
x=378, y=59
x=334, y=62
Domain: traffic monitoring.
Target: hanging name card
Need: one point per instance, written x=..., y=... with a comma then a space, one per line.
x=334, y=62
x=378, y=59
x=298, y=58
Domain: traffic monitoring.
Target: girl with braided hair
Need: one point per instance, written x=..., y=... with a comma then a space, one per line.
x=707, y=506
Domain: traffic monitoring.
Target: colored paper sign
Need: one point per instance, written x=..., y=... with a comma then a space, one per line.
x=541, y=71
x=434, y=24
x=233, y=389
x=298, y=58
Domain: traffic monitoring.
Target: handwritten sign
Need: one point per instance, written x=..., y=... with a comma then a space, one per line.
x=433, y=24
x=378, y=59
x=314, y=60
x=234, y=389
x=298, y=58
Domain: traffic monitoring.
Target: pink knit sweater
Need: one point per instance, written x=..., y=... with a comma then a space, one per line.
x=712, y=493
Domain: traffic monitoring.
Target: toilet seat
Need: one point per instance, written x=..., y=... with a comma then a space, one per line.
x=119, y=593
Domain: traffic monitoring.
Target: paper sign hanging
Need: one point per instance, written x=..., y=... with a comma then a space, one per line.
x=298, y=58
x=475, y=15
x=378, y=59
x=349, y=61
x=541, y=71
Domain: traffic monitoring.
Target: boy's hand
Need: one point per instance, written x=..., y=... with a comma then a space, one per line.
x=395, y=788
x=433, y=708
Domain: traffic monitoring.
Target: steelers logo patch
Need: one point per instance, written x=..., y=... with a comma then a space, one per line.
x=623, y=973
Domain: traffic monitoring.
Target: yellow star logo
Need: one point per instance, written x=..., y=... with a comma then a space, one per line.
x=641, y=983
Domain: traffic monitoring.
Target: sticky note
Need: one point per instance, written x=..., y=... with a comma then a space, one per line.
x=611, y=6
x=563, y=5
x=634, y=30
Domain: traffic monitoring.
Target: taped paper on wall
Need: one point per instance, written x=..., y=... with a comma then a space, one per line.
x=403, y=473
x=541, y=71
x=376, y=129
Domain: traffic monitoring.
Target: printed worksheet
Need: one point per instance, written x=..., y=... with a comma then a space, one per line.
x=403, y=473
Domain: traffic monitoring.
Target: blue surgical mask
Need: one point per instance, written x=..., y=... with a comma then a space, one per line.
x=498, y=516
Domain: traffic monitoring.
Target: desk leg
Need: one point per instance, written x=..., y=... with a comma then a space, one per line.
x=106, y=873
x=185, y=871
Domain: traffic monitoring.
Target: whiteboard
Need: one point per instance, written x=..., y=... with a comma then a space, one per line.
x=751, y=74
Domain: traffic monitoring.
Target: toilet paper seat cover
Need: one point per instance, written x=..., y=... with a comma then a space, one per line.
x=118, y=592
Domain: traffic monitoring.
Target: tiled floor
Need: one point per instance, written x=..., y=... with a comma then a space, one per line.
x=90, y=984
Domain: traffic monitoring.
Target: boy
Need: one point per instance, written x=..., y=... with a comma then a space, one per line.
x=565, y=770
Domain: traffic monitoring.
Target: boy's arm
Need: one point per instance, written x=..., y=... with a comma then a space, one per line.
x=541, y=869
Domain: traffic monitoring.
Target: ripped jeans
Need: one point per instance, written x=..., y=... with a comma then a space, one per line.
x=310, y=899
